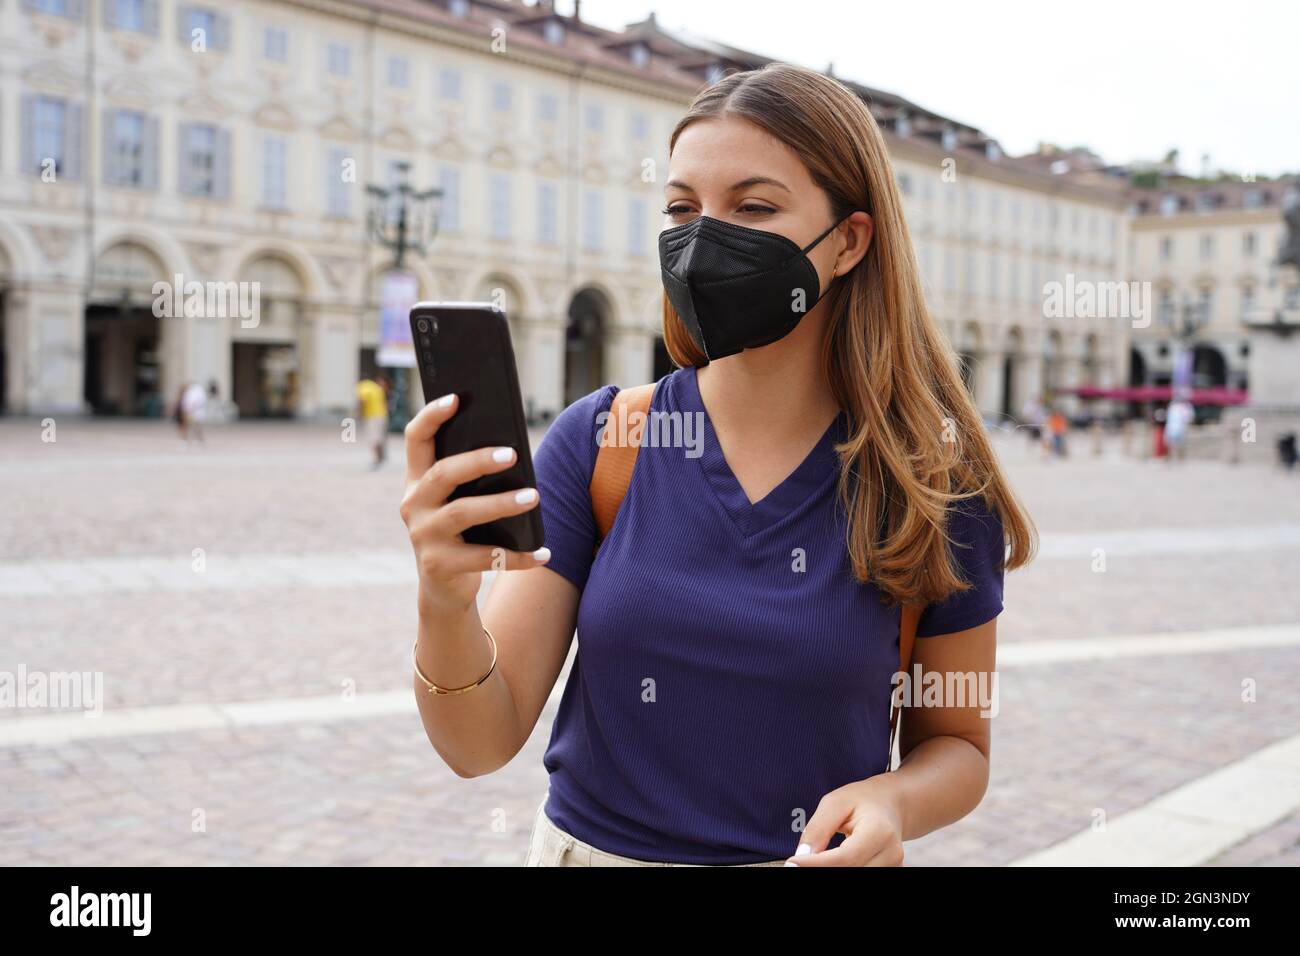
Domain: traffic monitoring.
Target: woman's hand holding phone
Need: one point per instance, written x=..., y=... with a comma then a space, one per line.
x=450, y=570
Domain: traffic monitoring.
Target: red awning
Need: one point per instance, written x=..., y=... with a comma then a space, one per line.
x=1161, y=393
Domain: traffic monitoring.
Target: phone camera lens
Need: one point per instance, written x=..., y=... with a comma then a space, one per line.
x=422, y=325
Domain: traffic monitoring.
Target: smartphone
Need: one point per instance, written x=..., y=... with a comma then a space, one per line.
x=464, y=347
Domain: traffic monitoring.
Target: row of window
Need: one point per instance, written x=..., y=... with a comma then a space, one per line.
x=1038, y=211
x=198, y=24
x=1167, y=308
x=449, y=86
x=141, y=16
x=963, y=276
x=1171, y=204
x=131, y=156
x=1207, y=245
x=500, y=208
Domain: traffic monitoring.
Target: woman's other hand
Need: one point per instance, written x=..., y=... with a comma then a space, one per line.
x=869, y=813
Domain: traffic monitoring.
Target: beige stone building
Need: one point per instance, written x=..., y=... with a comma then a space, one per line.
x=990, y=242
x=1209, y=250
x=230, y=145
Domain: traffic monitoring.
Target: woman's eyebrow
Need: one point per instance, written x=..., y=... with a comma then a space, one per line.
x=735, y=187
x=758, y=181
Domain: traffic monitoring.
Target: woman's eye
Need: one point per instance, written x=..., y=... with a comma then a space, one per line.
x=753, y=209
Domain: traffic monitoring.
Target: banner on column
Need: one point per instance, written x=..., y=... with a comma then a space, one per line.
x=398, y=292
x=1182, y=378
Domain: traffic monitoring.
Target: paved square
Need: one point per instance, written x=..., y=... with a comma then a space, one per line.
x=250, y=606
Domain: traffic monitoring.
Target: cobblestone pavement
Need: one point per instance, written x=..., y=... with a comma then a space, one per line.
x=100, y=536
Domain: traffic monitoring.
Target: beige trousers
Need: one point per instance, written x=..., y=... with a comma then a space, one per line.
x=548, y=845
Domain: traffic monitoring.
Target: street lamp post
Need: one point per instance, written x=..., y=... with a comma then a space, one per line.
x=402, y=220
x=1192, y=318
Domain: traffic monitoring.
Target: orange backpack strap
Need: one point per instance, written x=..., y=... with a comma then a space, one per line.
x=615, y=459
x=907, y=621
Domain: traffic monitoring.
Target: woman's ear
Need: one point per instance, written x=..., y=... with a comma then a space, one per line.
x=857, y=240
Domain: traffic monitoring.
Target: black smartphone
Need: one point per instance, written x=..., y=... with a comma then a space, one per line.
x=464, y=347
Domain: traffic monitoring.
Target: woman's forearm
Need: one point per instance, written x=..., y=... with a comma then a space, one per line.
x=941, y=779
x=476, y=732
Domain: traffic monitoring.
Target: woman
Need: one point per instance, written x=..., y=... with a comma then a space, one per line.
x=739, y=629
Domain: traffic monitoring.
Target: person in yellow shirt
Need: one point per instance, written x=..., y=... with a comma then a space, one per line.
x=372, y=409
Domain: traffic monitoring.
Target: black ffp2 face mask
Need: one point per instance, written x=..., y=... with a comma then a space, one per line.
x=734, y=287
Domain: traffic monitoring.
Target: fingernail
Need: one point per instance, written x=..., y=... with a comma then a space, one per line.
x=503, y=454
x=791, y=863
x=804, y=849
x=445, y=401
x=542, y=554
x=526, y=496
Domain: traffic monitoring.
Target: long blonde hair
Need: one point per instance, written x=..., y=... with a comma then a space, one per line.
x=916, y=441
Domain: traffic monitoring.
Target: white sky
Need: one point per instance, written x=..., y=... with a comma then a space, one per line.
x=1129, y=78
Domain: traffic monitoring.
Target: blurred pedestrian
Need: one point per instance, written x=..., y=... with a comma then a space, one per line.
x=1056, y=428
x=194, y=405
x=1178, y=419
x=372, y=408
x=1033, y=416
x=215, y=410
x=1286, y=450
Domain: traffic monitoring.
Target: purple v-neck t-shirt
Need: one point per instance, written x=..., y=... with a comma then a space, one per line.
x=730, y=670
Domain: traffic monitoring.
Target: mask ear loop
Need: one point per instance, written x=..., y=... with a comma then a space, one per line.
x=829, y=229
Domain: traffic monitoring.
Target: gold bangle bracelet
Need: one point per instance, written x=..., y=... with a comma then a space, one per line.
x=435, y=689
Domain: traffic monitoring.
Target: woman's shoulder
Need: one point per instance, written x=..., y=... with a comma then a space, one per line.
x=974, y=518
x=977, y=537
x=977, y=544
x=582, y=412
x=578, y=426
x=563, y=466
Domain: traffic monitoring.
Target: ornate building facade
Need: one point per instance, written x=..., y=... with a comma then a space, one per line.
x=162, y=141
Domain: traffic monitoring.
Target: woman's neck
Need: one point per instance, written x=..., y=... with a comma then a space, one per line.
x=770, y=395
